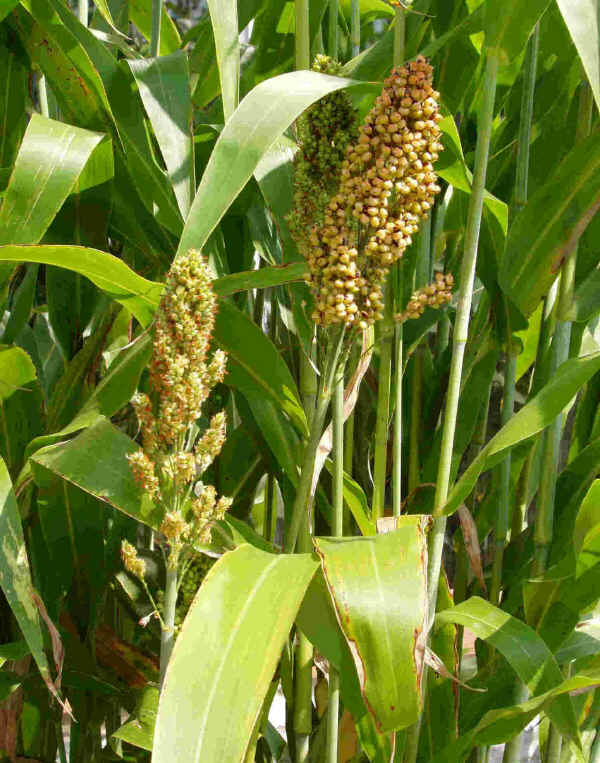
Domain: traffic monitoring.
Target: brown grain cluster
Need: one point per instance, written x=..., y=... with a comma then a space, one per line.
x=433, y=295
x=387, y=184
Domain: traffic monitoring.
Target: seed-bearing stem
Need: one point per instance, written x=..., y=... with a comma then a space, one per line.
x=512, y=751
x=461, y=332
x=167, y=637
x=333, y=28
x=156, y=22
x=337, y=529
x=355, y=27
x=383, y=403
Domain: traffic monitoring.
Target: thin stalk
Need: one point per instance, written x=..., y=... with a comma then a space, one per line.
x=83, y=10
x=560, y=352
x=397, y=467
x=503, y=508
x=167, y=637
x=461, y=332
x=337, y=529
x=421, y=278
x=595, y=753
x=355, y=27
x=43, y=95
x=544, y=522
x=399, y=36
x=155, y=34
x=383, y=405
x=325, y=390
x=302, y=34
x=512, y=751
x=270, y=508
x=332, y=37
x=303, y=696
x=398, y=58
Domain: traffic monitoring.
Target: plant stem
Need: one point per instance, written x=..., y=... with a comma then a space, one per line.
x=397, y=468
x=560, y=352
x=503, y=508
x=83, y=10
x=355, y=27
x=383, y=404
x=302, y=34
x=398, y=58
x=325, y=389
x=461, y=331
x=155, y=34
x=332, y=37
x=512, y=751
x=167, y=637
x=337, y=529
x=399, y=36
x=416, y=401
x=43, y=94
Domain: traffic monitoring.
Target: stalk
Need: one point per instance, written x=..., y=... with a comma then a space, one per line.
x=383, y=405
x=399, y=36
x=512, y=751
x=421, y=279
x=167, y=637
x=43, y=95
x=332, y=38
x=560, y=353
x=397, y=468
x=337, y=529
x=461, y=331
x=544, y=523
x=299, y=526
x=302, y=35
x=325, y=390
x=83, y=10
x=155, y=34
x=503, y=508
x=355, y=27
x=399, y=43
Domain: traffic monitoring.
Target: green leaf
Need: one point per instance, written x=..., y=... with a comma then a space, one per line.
x=109, y=273
x=508, y=24
x=259, y=120
x=14, y=73
x=257, y=596
x=526, y=652
x=6, y=7
x=16, y=370
x=14, y=650
x=498, y=726
x=9, y=682
x=378, y=585
x=586, y=300
x=255, y=365
x=75, y=82
x=224, y=18
x=273, y=275
x=108, y=478
x=546, y=232
x=583, y=642
x=581, y=18
x=113, y=392
x=140, y=731
x=536, y=415
x=15, y=577
x=164, y=85
x=50, y=160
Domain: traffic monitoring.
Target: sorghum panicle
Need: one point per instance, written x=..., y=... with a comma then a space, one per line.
x=433, y=295
x=182, y=375
x=131, y=560
x=387, y=185
x=324, y=131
